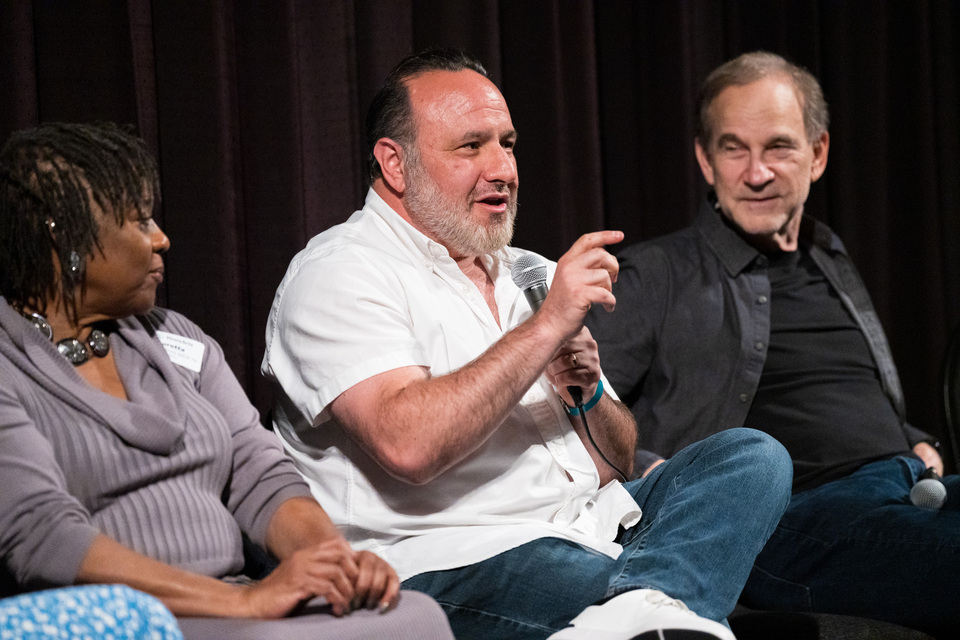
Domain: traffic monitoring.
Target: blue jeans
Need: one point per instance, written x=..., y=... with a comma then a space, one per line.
x=706, y=513
x=858, y=546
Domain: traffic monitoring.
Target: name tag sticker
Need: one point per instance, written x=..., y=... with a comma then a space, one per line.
x=186, y=352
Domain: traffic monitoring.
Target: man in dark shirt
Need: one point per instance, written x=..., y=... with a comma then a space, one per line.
x=755, y=316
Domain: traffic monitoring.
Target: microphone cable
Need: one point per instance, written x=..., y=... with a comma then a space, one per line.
x=529, y=274
x=577, y=396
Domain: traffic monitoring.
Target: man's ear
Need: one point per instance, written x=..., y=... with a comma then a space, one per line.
x=703, y=159
x=820, y=149
x=389, y=155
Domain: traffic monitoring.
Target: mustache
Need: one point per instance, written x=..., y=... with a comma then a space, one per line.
x=497, y=188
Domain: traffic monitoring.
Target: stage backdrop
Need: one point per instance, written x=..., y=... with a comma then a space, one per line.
x=254, y=110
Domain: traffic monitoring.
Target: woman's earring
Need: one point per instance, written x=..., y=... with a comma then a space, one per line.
x=73, y=263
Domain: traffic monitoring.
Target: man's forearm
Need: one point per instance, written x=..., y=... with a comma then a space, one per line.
x=614, y=432
x=416, y=427
x=424, y=426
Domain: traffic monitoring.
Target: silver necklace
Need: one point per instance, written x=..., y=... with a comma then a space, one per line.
x=75, y=351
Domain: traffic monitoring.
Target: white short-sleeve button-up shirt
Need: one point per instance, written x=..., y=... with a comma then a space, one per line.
x=374, y=294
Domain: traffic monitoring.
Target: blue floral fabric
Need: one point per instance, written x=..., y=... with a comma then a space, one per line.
x=96, y=612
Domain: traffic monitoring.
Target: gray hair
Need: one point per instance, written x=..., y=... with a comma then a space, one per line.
x=750, y=67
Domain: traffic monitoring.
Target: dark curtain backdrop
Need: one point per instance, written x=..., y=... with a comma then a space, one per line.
x=255, y=110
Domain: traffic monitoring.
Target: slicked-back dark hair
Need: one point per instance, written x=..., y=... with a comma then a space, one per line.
x=390, y=114
x=750, y=67
x=48, y=176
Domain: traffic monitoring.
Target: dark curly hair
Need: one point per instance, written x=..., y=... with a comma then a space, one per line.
x=49, y=177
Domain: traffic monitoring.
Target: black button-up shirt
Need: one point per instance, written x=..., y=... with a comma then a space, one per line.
x=687, y=343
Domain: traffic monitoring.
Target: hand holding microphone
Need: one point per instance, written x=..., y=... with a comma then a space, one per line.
x=529, y=273
x=584, y=277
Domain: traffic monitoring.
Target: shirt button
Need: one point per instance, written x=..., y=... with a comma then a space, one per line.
x=762, y=299
x=759, y=346
x=744, y=397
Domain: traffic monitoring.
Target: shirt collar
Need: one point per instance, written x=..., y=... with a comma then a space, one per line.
x=734, y=252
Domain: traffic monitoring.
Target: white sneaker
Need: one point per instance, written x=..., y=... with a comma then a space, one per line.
x=644, y=614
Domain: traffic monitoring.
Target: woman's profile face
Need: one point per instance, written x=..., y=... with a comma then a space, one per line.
x=122, y=277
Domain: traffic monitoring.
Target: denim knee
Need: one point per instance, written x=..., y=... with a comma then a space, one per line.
x=761, y=456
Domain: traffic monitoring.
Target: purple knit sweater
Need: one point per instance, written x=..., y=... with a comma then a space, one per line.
x=175, y=472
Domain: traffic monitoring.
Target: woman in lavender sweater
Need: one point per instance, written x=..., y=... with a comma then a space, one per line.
x=128, y=451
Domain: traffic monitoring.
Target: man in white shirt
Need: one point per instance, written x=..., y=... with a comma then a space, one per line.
x=428, y=405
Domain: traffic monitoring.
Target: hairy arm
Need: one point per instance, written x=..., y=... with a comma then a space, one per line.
x=417, y=426
x=614, y=432
x=612, y=428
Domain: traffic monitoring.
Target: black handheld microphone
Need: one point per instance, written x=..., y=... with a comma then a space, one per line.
x=929, y=492
x=529, y=273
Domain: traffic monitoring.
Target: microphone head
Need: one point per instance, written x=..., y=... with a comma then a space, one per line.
x=528, y=271
x=928, y=493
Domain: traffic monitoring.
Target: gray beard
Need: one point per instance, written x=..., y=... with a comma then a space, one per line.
x=448, y=221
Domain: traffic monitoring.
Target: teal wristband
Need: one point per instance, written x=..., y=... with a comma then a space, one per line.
x=575, y=411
